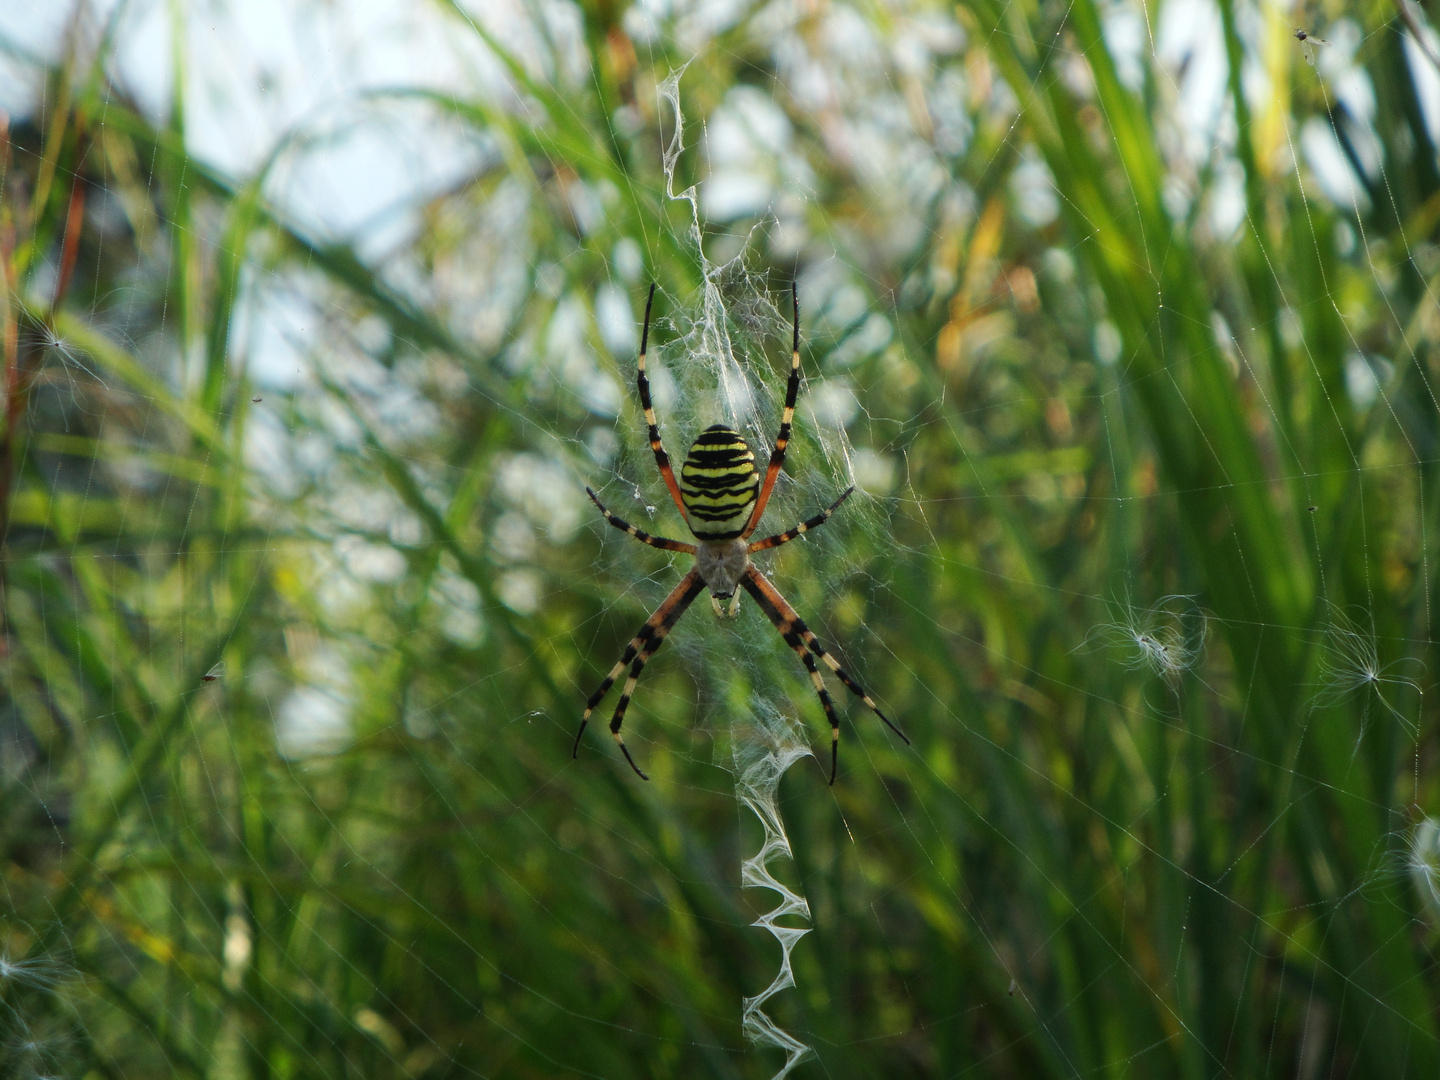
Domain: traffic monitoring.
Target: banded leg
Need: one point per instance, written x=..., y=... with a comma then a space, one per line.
x=805, y=526
x=642, y=646
x=792, y=391
x=662, y=459
x=644, y=537
x=826, y=703
x=793, y=629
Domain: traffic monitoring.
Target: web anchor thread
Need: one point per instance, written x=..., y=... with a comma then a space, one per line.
x=756, y=786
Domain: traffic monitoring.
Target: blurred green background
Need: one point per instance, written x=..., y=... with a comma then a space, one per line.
x=1122, y=317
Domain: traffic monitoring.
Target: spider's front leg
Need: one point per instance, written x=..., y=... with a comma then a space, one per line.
x=798, y=636
x=642, y=646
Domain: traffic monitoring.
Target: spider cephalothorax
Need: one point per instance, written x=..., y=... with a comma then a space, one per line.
x=722, y=497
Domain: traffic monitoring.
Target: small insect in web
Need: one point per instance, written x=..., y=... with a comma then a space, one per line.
x=1308, y=42
x=721, y=498
x=216, y=672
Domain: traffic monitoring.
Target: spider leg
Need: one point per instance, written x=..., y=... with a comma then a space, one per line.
x=825, y=701
x=643, y=537
x=792, y=391
x=662, y=459
x=805, y=526
x=642, y=646
x=797, y=635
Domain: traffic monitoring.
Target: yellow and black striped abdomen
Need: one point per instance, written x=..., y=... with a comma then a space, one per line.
x=719, y=484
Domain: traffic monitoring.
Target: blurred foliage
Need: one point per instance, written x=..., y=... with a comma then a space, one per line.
x=1151, y=593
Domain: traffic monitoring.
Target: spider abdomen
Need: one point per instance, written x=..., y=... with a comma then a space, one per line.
x=719, y=484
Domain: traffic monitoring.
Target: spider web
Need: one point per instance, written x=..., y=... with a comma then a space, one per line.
x=707, y=348
x=1016, y=737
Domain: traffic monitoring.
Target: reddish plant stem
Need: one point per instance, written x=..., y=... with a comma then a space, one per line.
x=74, y=221
x=74, y=218
x=16, y=384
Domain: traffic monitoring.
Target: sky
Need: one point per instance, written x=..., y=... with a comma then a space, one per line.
x=294, y=84
x=304, y=89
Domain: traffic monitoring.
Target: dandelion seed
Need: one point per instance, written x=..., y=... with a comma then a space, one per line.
x=53, y=343
x=1423, y=862
x=1167, y=638
x=38, y=973
x=33, y=1051
x=1351, y=662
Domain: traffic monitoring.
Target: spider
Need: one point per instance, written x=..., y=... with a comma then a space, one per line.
x=721, y=498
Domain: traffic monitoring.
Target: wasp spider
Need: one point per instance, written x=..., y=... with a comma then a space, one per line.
x=721, y=497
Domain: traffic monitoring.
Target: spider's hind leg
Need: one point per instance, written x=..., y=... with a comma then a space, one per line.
x=787, y=419
x=652, y=426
